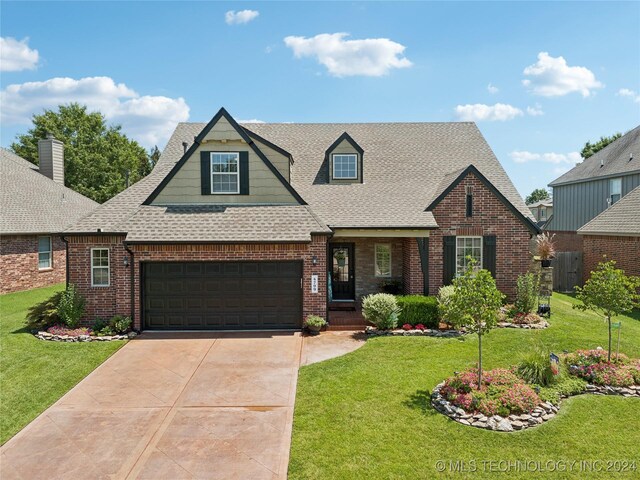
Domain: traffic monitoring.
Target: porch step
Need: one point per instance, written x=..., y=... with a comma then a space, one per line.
x=342, y=328
x=342, y=306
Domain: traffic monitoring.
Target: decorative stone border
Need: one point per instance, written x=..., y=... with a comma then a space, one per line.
x=532, y=326
x=83, y=338
x=544, y=412
x=398, y=332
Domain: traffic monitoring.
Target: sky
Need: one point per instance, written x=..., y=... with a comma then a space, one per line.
x=539, y=79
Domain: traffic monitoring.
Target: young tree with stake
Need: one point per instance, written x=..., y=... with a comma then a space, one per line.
x=609, y=292
x=474, y=304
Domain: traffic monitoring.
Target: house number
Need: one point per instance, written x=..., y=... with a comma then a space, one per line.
x=314, y=283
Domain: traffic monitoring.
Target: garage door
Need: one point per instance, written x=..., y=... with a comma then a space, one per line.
x=222, y=295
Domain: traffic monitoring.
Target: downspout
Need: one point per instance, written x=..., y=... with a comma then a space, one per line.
x=132, y=282
x=66, y=247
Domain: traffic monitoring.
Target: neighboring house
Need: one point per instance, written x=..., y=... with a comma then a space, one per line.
x=615, y=233
x=256, y=226
x=35, y=207
x=591, y=187
x=541, y=211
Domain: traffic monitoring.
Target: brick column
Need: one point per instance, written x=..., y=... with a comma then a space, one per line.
x=412, y=275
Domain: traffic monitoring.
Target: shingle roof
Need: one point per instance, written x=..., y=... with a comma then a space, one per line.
x=615, y=159
x=404, y=165
x=541, y=203
x=622, y=218
x=33, y=203
x=269, y=223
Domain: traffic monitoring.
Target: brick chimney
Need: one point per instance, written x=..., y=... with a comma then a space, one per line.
x=51, y=156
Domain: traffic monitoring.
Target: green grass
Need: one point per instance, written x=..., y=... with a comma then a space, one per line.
x=367, y=414
x=34, y=373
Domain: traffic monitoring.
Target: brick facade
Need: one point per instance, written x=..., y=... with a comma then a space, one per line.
x=364, y=252
x=567, y=241
x=490, y=217
x=19, y=263
x=116, y=299
x=624, y=250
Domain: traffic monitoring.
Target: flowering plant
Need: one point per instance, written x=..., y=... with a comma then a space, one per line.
x=501, y=392
x=592, y=365
x=407, y=326
x=72, y=332
x=419, y=327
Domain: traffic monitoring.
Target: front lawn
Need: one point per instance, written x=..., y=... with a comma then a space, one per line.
x=35, y=373
x=368, y=415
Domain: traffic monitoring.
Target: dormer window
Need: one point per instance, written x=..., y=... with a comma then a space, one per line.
x=225, y=176
x=345, y=166
x=615, y=190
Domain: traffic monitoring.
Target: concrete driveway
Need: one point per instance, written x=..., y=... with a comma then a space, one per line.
x=170, y=406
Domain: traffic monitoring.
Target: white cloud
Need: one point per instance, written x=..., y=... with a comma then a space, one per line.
x=148, y=119
x=480, y=112
x=523, y=156
x=252, y=120
x=535, y=111
x=492, y=89
x=370, y=57
x=238, y=18
x=552, y=77
x=15, y=55
x=632, y=94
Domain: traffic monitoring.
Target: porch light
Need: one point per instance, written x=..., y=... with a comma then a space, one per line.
x=125, y=261
x=314, y=260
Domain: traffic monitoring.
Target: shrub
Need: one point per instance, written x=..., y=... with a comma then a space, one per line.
x=527, y=287
x=44, y=314
x=391, y=286
x=315, y=321
x=98, y=324
x=120, y=324
x=381, y=309
x=536, y=368
x=445, y=293
x=419, y=309
x=71, y=307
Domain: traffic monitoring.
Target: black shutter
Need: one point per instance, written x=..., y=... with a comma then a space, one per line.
x=244, y=173
x=423, y=249
x=449, y=258
x=489, y=254
x=205, y=172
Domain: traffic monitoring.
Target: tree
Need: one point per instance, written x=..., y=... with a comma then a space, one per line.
x=537, y=195
x=98, y=158
x=474, y=304
x=591, y=148
x=609, y=292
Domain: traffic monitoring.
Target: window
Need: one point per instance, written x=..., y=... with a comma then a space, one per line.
x=469, y=205
x=615, y=190
x=345, y=166
x=543, y=213
x=44, y=253
x=383, y=260
x=468, y=247
x=224, y=172
x=99, y=267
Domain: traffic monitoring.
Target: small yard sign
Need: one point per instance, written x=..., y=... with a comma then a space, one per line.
x=314, y=283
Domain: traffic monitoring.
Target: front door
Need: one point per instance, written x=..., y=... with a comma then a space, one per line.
x=341, y=261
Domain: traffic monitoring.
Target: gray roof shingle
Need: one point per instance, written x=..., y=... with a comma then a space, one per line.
x=32, y=203
x=622, y=218
x=614, y=157
x=405, y=165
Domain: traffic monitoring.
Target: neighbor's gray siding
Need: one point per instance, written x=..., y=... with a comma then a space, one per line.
x=577, y=203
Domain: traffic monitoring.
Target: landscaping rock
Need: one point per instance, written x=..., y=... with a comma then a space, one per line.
x=504, y=425
x=517, y=425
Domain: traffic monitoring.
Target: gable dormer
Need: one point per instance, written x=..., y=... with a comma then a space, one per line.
x=225, y=166
x=344, y=161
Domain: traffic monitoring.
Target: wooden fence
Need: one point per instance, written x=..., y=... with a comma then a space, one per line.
x=567, y=271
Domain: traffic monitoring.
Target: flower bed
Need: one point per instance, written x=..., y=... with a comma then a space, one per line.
x=60, y=333
x=413, y=331
x=592, y=366
x=509, y=318
x=506, y=403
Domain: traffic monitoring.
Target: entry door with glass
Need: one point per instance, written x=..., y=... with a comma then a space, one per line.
x=341, y=262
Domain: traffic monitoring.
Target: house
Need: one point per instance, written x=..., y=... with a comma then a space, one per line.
x=591, y=187
x=256, y=226
x=541, y=211
x=615, y=233
x=35, y=207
